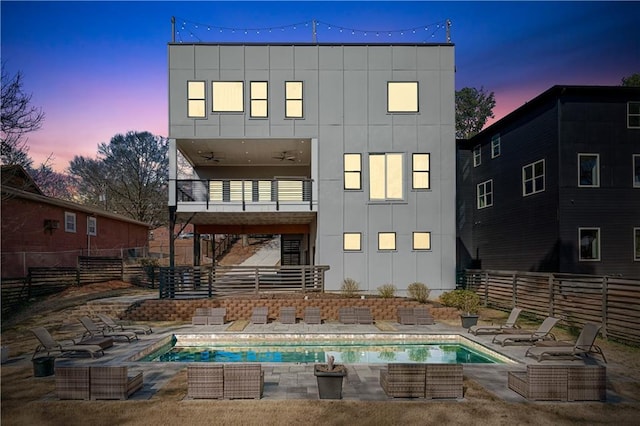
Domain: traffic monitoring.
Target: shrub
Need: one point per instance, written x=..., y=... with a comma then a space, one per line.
x=387, y=291
x=350, y=287
x=465, y=300
x=419, y=292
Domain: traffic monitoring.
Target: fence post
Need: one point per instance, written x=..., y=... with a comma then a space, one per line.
x=514, y=289
x=210, y=282
x=551, y=299
x=605, y=293
x=257, y=280
x=121, y=269
x=304, y=281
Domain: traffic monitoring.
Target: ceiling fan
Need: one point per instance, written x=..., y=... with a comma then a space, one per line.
x=212, y=156
x=285, y=155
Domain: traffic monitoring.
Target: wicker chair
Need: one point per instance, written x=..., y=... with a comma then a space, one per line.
x=259, y=315
x=200, y=316
x=347, y=315
x=423, y=316
x=205, y=381
x=363, y=315
x=312, y=315
x=216, y=316
x=243, y=381
x=113, y=382
x=560, y=382
x=406, y=315
x=72, y=382
x=443, y=381
x=288, y=315
x=401, y=380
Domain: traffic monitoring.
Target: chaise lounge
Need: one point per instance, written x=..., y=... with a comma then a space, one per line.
x=65, y=347
x=583, y=346
x=93, y=331
x=114, y=325
x=542, y=333
x=510, y=324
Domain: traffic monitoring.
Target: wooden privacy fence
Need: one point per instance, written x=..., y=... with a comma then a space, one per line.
x=613, y=302
x=224, y=281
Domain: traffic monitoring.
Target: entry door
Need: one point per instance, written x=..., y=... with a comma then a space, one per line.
x=291, y=250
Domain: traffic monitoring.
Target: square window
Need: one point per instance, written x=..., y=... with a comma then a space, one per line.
x=633, y=115
x=69, y=222
x=402, y=96
x=485, y=194
x=533, y=178
x=293, y=99
x=228, y=96
x=589, y=170
x=92, y=228
x=495, y=146
x=421, y=166
x=196, y=100
x=589, y=243
x=352, y=171
x=386, y=176
x=352, y=241
x=259, y=105
x=422, y=240
x=636, y=170
x=477, y=156
x=386, y=240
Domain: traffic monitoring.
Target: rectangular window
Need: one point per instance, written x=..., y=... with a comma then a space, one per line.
x=352, y=171
x=69, y=222
x=385, y=177
x=293, y=99
x=485, y=194
x=259, y=96
x=636, y=244
x=533, y=178
x=196, y=99
x=633, y=115
x=422, y=240
x=228, y=96
x=92, y=228
x=589, y=243
x=352, y=241
x=421, y=166
x=495, y=146
x=588, y=170
x=386, y=240
x=636, y=170
x=402, y=96
x=477, y=158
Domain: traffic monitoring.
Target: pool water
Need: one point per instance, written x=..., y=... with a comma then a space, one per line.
x=377, y=353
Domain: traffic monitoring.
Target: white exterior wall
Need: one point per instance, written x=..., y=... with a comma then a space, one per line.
x=345, y=109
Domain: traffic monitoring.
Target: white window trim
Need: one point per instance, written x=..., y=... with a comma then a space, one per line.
x=495, y=142
x=599, y=241
x=90, y=220
x=597, y=183
x=634, y=158
x=533, y=178
x=67, y=228
x=485, y=194
x=477, y=155
x=629, y=115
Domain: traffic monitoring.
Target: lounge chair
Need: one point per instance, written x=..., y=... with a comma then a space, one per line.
x=114, y=325
x=542, y=333
x=584, y=345
x=287, y=315
x=495, y=329
x=312, y=315
x=259, y=315
x=65, y=347
x=216, y=316
x=94, y=331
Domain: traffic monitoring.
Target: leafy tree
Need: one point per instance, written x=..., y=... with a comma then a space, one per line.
x=129, y=177
x=18, y=118
x=473, y=108
x=632, y=80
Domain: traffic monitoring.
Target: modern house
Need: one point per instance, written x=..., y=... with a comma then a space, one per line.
x=347, y=151
x=555, y=185
x=39, y=231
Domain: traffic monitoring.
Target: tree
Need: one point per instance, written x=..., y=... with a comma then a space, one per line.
x=473, y=108
x=52, y=183
x=632, y=80
x=129, y=177
x=18, y=118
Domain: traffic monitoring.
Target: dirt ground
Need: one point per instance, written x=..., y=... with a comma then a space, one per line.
x=27, y=400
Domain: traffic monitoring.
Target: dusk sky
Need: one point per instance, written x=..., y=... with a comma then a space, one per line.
x=100, y=68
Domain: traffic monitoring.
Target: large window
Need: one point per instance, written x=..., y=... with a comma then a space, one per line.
x=422, y=240
x=259, y=96
x=385, y=176
x=477, y=156
x=485, y=194
x=228, y=96
x=589, y=243
x=92, y=228
x=633, y=115
x=402, y=96
x=69, y=222
x=386, y=240
x=495, y=146
x=352, y=171
x=636, y=170
x=293, y=99
x=352, y=241
x=636, y=244
x=533, y=178
x=196, y=99
x=421, y=169
x=589, y=170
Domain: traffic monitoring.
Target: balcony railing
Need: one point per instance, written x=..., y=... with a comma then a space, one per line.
x=245, y=191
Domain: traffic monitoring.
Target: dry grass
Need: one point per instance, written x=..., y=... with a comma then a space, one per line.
x=30, y=401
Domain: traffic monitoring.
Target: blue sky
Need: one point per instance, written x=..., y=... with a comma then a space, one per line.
x=100, y=68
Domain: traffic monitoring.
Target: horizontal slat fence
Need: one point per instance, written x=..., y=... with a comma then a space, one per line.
x=613, y=302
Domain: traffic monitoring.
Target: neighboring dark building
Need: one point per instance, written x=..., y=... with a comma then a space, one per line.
x=555, y=185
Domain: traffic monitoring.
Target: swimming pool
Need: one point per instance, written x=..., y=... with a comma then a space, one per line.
x=305, y=348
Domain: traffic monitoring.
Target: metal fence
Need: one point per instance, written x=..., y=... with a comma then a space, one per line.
x=613, y=302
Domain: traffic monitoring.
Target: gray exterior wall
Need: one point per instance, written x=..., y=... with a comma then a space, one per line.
x=345, y=109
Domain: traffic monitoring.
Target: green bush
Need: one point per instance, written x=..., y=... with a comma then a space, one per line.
x=465, y=300
x=419, y=292
x=350, y=287
x=387, y=291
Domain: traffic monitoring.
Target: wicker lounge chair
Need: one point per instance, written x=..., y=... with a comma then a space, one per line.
x=259, y=315
x=205, y=381
x=560, y=382
x=312, y=315
x=401, y=380
x=93, y=331
x=243, y=381
x=406, y=315
x=72, y=382
x=423, y=316
x=347, y=315
x=114, y=325
x=113, y=382
x=584, y=345
x=65, y=347
x=542, y=333
x=495, y=329
x=363, y=315
x=288, y=315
